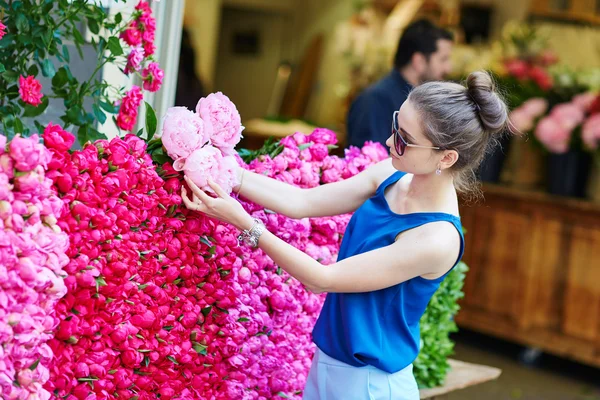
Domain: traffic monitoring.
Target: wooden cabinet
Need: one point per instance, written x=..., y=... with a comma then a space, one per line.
x=534, y=271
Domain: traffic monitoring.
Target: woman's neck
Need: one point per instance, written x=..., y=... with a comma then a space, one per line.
x=432, y=192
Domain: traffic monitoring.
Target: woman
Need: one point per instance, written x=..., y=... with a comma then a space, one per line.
x=401, y=242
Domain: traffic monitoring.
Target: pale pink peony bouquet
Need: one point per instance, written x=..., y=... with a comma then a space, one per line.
x=202, y=143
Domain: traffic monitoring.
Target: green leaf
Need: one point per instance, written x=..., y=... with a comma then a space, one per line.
x=33, y=70
x=281, y=394
x=65, y=53
x=243, y=319
x=18, y=126
x=93, y=25
x=11, y=76
x=94, y=135
x=168, y=328
x=61, y=78
x=34, y=111
x=140, y=132
x=305, y=146
x=114, y=45
x=118, y=18
x=77, y=36
x=35, y=364
x=109, y=108
x=206, y=310
x=82, y=135
x=204, y=240
x=21, y=23
x=48, y=68
x=151, y=121
x=172, y=359
x=99, y=114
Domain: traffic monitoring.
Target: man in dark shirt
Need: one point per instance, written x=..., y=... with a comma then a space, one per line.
x=423, y=55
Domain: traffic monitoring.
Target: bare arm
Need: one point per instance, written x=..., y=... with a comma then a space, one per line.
x=410, y=256
x=330, y=199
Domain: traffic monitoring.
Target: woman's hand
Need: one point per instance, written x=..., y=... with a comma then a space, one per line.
x=224, y=207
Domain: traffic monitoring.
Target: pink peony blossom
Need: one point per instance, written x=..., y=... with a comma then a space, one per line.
x=221, y=114
x=552, y=134
x=590, y=132
x=208, y=162
x=153, y=77
x=568, y=115
x=2, y=144
x=521, y=121
x=535, y=107
x=27, y=153
x=57, y=138
x=584, y=100
x=183, y=132
x=132, y=36
x=323, y=136
x=2, y=29
x=30, y=90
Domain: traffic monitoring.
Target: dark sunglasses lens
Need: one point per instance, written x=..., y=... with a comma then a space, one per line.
x=398, y=143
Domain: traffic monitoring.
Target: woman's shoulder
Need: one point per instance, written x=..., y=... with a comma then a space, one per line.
x=381, y=171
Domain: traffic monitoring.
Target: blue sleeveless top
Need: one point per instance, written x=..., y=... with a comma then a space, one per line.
x=379, y=328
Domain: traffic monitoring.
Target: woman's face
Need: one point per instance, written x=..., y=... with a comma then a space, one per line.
x=415, y=160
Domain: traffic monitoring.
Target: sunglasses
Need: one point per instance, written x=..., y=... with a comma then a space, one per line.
x=400, y=144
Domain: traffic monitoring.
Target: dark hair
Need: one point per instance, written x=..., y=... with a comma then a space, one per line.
x=465, y=118
x=419, y=37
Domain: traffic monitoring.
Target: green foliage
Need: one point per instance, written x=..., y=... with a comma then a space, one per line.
x=271, y=148
x=431, y=366
x=36, y=43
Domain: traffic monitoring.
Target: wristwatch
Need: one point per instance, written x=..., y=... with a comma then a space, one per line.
x=251, y=236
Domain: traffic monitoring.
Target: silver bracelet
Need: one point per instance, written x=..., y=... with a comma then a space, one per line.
x=251, y=236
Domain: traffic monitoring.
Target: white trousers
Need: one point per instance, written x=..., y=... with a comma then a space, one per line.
x=330, y=379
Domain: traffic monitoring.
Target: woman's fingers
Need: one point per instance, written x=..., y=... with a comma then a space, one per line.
x=199, y=193
x=191, y=205
x=218, y=189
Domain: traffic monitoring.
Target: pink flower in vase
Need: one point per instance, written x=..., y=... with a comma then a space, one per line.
x=521, y=121
x=535, y=107
x=517, y=68
x=153, y=77
x=540, y=76
x=584, y=100
x=30, y=90
x=568, y=115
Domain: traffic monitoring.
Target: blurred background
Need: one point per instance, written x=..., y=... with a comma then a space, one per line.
x=532, y=295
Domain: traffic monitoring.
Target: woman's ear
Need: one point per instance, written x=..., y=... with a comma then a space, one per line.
x=449, y=158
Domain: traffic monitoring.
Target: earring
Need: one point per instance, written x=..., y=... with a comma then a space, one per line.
x=438, y=171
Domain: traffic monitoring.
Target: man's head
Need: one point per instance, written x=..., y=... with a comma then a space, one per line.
x=426, y=49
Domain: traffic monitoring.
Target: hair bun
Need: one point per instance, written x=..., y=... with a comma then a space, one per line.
x=492, y=110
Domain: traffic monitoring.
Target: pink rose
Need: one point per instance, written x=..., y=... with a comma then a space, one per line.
x=221, y=114
x=208, y=162
x=374, y=151
x=132, y=36
x=30, y=90
x=318, y=151
x=153, y=77
x=57, y=138
x=323, y=136
x=28, y=153
x=2, y=29
x=183, y=132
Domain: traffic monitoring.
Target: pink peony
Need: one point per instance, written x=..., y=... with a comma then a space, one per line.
x=134, y=59
x=323, y=136
x=521, y=121
x=57, y=138
x=568, y=115
x=535, y=107
x=30, y=90
x=28, y=153
x=2, y=143
x=553, y=135
x=590, y=132
x=584, y=100
x=153, y=77
x=2, y=29
x=183, y=132
x=221, y=114
x=208, y=162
